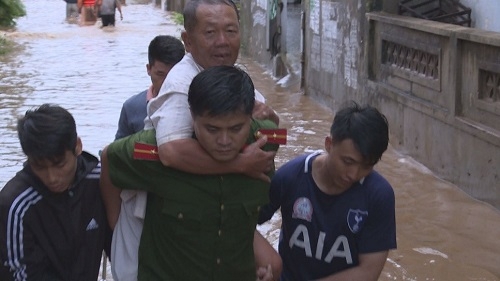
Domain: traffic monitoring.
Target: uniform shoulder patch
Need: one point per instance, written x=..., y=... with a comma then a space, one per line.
x=144, y=151
x=274, y=136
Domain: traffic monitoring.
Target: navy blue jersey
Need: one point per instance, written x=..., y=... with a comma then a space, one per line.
x=323, y=234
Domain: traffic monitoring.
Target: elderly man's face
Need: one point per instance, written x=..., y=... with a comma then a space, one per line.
x=215, y=40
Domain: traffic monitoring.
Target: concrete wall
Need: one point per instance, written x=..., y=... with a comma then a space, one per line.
x=333, y=65
x=438, y=84
x=333, y=32
x=254, y=31
x=174, y=5
x=484, y=14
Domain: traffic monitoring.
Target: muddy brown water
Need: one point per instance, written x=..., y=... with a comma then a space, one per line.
x=442, y=233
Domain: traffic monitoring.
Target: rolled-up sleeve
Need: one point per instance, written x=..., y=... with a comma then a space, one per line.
x=171, y=117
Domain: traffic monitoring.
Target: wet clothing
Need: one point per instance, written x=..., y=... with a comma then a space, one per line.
x=88, y=12
x=127, y=235
x=128, y=229
x=323, y=234
x=108, y=20
x=53, y=236
x=71, y=9
x=197, y=227
x=107, y=12
x=169, y=112
x=88, y=2
x=108, y=7
x=132, y=115
x=88, y=15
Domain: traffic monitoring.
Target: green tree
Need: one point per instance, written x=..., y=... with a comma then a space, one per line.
x=9, y=11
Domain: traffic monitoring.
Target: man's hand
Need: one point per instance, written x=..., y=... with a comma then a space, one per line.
x=265, y=273
x=257, y=162
x=261, y=111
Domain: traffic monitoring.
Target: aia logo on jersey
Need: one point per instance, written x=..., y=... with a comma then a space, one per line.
x=356, y=219
x=302, y=209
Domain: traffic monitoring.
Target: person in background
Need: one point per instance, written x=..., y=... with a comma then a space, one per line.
x=198, y=227
x=88, y=11
x=338, y=214
x=164, y=52
x=71, y=10
x=52, y=219
x=107, y=10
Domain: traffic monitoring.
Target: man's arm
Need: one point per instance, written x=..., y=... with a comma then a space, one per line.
x=20, y=253
x=5, y=273
x=119, y=7
x=267, y=260
x=172, y=120
x=110, y=193
x=187, y=155
x=264, y=253
x=262, y=111
x=369, y=269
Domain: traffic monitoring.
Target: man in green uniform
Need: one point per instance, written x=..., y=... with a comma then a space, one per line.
x=198, y=227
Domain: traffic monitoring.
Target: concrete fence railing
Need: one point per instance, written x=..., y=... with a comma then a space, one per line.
x=439, y=85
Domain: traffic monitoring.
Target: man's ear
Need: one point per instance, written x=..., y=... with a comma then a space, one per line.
x=328, y=143
x=185, y=39
x=79, y=147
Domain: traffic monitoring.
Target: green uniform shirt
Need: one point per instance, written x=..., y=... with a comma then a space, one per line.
x=197, y=227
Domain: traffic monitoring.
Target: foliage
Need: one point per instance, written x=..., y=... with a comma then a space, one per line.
x=177, y=17
x=5, y=46
x=9, y=11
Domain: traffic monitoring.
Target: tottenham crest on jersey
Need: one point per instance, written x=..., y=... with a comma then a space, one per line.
x=356, y=219
x=302, y=209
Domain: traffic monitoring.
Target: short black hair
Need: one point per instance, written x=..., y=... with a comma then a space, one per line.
x=365, y=126
x=166, y=49
x=47, y=132
x=189, y=12
x=221, y=90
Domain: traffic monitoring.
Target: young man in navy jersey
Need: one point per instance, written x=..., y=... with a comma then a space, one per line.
x=338, y=214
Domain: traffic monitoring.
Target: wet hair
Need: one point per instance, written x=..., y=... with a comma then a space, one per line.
x=221, y=90
x=191, y=7
x=366, y=127
x=166, y=49
x=47, y=132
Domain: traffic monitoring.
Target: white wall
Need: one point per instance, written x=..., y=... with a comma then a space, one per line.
x=485, y=14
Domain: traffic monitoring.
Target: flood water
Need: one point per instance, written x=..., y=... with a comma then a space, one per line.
x=442, y=233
